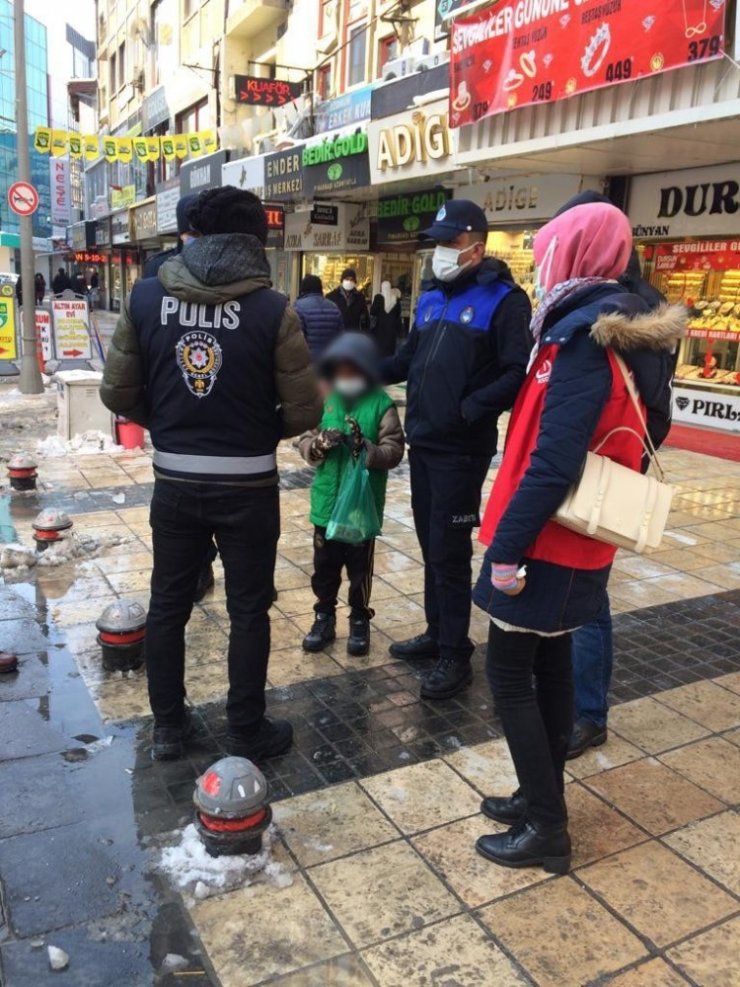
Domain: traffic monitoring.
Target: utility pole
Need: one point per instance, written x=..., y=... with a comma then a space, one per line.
x=30, y=378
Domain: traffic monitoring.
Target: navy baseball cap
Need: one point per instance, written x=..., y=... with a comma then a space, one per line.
x=456, y=216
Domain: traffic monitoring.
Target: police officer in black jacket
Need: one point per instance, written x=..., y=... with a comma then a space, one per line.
x=465, y=360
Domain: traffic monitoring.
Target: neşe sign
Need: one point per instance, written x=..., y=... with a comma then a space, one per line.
x=537, y=51
x=266, y=92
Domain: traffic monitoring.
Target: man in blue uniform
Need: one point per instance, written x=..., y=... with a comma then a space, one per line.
x=465, y=360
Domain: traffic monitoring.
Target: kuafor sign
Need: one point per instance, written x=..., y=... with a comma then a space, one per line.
x=71, y=329
x=414, y=144
x=522, y=52
x=710, y=408
x=694, y=202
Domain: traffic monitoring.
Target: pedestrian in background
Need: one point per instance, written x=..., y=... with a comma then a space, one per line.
x=39, y=288
x=385, y=319
x=351, y=302
x=320, y=318
x=61, y=282
x=465, y=360
x=214, y=363
x=574, y=400
x=184, y=235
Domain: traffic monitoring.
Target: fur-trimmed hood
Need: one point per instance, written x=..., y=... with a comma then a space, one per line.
x=660, y=329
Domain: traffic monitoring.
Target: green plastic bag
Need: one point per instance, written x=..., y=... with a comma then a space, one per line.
x=355, y=516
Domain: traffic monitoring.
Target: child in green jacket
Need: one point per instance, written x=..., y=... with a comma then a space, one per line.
x=358, y=414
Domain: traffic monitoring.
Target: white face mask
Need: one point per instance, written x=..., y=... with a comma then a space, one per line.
x=541, y=271
x=348, y=285
x=350, y=387
x=446, y=263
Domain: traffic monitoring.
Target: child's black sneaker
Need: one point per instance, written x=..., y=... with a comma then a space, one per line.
x=322, y=633
x=358, y=643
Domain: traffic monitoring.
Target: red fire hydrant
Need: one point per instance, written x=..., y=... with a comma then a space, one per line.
x=48, y=528
x=122, y=629
x=22, y=472
x=231, y=807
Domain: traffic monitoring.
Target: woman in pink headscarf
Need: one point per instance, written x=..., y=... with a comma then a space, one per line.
x=540, y=581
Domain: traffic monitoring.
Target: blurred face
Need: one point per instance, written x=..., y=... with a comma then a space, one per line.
x=349, y=381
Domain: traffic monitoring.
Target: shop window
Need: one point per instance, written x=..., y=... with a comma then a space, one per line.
x=357, y=49
x=388, y=49
x=324, y=81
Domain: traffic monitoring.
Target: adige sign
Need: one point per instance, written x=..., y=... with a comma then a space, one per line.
x=410, y=145
x=536, y=51
x=71, y=329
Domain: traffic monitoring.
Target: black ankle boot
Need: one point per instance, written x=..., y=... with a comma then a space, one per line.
x=421, y=646
x=505, y=810
x=323, y=632
x=448, y=677
x=527, y=845
x=358, y=643
x=585, y=734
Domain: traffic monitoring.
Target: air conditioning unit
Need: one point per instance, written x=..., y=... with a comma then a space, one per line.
x=138, y=78
x=418, y=47
x=427, y=62
x=397, y=68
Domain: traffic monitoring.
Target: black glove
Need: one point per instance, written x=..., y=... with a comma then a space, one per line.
x=356, y=439
x=324, y=442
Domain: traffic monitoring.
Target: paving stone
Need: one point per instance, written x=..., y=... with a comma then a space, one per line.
x=24, y=732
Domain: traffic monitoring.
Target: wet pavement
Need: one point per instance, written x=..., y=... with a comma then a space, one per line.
x=376, y=805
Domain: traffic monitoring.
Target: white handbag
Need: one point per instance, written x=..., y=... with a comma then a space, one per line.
x=615, y=504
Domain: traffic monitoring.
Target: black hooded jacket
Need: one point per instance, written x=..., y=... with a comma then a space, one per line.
x=464, y=361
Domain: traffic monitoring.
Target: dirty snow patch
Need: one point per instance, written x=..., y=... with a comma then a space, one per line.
x=58, y=959
x=86, y=444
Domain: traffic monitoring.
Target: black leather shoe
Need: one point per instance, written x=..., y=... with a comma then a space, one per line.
x=358, y=643
x=323, y=632
x=421, y=646
x=272, y=738
x=168, y=742
x=505, y=810
x=585, y=734
x=448, y=677
x=526, y=845
x=206, y=581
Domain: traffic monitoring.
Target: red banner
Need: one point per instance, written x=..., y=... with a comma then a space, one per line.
x=522, y=52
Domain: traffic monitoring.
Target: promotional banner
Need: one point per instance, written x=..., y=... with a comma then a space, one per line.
x=124, y=149
x=400, y=217
x=336, y=163
x=537, y=51
x=43, y=334
x=71, y=329
x=8, y=343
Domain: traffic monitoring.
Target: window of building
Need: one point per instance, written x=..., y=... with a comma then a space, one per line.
x=388, y=49
x=113, y=73
x=121, y=64
x=356, y=51
x=196, y=117
x=324, y=81
x=327, y=16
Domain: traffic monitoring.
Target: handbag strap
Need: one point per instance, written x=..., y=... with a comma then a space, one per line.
x=647, y=442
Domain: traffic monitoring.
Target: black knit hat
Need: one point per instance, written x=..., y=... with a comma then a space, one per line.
x=311, y=285
x=228, y=210
x=349, y=274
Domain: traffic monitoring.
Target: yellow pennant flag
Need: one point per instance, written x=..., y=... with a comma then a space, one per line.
x=75, y=146
x=168, y=148
x=181, y=145
x=125, y=150
x=110, y=149
x=195, y=145
x=141, y=149
x=42, y=140
x=91, y=146
x=59, y=143
x=209, y=140
x=152, y=144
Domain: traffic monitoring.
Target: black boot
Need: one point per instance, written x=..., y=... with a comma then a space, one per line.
x=168, y=742
x=421, y=646
x=448, y=677
x=323, y=632
x=585, y=734
x=505, y=810
x=358, y=643
x=527, y=845
x=270, y=739
x=206, y=581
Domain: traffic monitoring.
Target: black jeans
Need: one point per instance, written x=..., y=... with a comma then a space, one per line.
x=445, y=499
x=329, y=558
x=246, y=525
x=531, y=678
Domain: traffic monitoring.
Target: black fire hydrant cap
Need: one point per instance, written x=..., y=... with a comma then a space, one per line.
x=232, y=788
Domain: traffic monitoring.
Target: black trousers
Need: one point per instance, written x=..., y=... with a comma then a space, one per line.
x=531, y=678
x=185, y=517
x=329, y=558
x=445, y=499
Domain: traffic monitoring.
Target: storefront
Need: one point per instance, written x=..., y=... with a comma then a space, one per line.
x=687, y=232
x=202, y=173
x=142, y=220
x=124, y=261
x=331, y=238
x=167, y=195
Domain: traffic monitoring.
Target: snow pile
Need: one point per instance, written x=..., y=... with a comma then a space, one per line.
x=86, y=444
x=58, y=959
x=70, y=547
x=199, y=875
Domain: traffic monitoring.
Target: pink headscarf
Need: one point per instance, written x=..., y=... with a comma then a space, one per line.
x=589, y=241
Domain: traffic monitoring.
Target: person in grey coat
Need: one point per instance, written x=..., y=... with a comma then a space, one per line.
x=320, y=318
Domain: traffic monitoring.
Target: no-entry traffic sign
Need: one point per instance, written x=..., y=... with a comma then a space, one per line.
x=23, y=198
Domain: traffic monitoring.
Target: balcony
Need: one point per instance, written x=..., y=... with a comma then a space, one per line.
x=246, y=18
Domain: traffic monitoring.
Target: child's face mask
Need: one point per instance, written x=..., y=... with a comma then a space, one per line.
x=350, y=387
